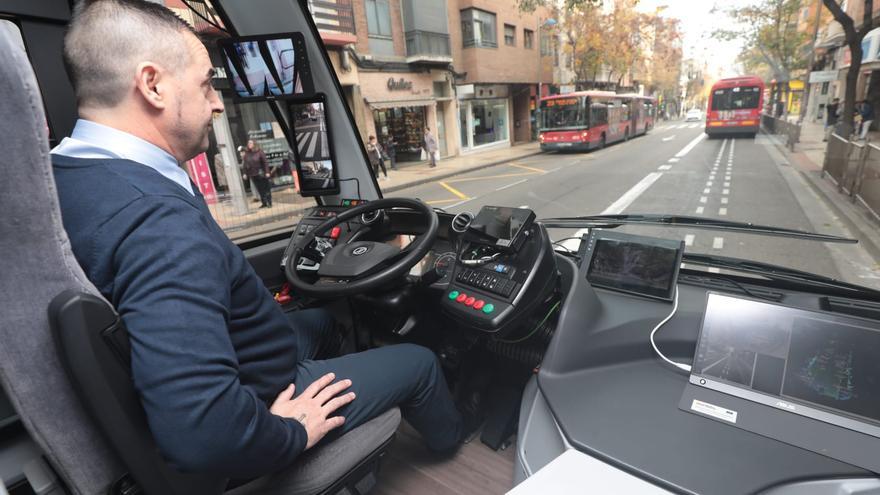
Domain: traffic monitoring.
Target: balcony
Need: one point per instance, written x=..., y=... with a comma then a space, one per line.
x=335, y=21
x=426, y=47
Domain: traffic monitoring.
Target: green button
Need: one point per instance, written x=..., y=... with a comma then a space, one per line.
x=488, y=308
x=453, y=294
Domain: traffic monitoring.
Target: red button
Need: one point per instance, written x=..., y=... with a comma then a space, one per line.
x=479, y=304
x=334, y=233
x=470, y=301
x=461, y=297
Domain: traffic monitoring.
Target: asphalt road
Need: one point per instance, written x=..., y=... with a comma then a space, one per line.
x=674, y=169
x=311, y=140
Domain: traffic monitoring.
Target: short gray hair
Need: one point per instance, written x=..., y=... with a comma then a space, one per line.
x=107, y=39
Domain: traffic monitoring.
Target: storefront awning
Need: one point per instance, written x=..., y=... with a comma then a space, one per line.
x=378, y=105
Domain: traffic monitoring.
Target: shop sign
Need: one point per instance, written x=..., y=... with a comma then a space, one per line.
x=200, y=173
x=399, y=84
x=821, y=76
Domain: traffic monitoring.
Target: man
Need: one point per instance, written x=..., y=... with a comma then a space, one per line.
x=374, y=152
x=430, y=145
x=229, y=384
x=256, y=167
x=831, y=116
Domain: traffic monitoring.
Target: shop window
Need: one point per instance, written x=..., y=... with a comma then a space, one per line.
x=401, y=129
x=489, y=121
x=528, y=39
x=509, y=35
x=478, y=29
x=825, y=88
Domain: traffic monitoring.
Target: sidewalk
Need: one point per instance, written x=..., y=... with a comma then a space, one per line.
x=808, y=158
x=288, y=204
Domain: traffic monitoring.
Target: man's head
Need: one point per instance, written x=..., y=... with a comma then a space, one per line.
x=138, y=67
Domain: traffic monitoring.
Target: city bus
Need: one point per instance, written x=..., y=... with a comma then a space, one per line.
x=587, y=120
x=735, y=106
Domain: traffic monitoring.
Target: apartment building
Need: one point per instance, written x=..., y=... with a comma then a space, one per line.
x=501, y=58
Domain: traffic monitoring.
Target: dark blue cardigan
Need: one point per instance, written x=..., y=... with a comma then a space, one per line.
x=210, y=348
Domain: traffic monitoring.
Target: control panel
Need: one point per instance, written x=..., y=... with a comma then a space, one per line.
x=312, y=219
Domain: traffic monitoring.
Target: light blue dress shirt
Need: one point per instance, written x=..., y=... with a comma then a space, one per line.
x=92, y=140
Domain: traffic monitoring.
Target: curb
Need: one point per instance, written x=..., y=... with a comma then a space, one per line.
x=849, y=213
x=453, y=173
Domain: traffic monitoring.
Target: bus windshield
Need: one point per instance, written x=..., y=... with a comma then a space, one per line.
x=737, y=98
x=563, y=113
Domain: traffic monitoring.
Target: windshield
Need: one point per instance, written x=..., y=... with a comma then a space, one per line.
x=561, y=113
x=468, y=113
x=738, y=98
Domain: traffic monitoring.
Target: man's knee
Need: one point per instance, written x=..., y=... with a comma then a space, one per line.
x=418, y=361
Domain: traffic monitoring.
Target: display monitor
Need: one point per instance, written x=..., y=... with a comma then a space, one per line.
x=313, y=148
x=267, y=67
x=821, y=365
x=503, y=225
x=640, y=265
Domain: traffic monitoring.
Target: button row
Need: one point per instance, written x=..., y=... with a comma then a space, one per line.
x=471, y=301
x=487, y=280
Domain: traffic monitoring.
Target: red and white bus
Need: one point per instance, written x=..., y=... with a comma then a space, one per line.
x=735, y=106
x=587, y=120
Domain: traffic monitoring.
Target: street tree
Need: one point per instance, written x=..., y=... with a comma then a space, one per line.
x=769, y=28
x=854, y=39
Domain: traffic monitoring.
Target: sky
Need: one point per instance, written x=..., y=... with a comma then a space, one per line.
x=697, y=24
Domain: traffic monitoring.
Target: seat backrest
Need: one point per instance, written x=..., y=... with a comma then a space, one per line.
x=36, y=264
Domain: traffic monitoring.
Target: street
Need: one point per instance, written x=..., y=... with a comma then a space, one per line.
x=311, y=140
x=674, y=169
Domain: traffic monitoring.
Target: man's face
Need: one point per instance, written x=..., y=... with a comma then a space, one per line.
x=195, y=102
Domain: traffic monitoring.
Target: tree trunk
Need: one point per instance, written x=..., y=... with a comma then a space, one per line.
x=849, y=98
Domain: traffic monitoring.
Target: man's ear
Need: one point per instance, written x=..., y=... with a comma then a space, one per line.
x=151, y=83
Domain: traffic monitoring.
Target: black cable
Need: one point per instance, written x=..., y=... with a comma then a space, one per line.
x=357, y=183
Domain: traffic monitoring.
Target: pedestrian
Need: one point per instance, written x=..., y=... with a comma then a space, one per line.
x=374, y=152
x=430, y=146
x=391, y=151
x=831, y=116
x=257, y=168
x=866, y=110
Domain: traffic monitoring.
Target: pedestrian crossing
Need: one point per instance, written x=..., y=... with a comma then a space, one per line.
x=312, y=146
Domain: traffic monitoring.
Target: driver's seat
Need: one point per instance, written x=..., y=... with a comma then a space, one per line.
x=65, y=370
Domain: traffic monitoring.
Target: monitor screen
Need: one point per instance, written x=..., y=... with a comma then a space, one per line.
x=267, y=67
x=636, y=266
x=313, y=150
x=820, y=365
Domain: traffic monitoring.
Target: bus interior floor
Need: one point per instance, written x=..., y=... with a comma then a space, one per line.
x=411, y=468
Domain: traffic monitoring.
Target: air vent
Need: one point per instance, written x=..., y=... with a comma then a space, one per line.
x=855, y=308
x=461, y=222
x=371, y=217
x=727, y=285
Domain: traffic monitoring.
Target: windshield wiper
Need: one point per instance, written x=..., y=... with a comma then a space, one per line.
x=774, y=272
x=614, y=221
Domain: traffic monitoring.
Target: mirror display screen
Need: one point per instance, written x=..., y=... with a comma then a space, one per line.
x=647, y=269
x=313, y=149
x=267, y=67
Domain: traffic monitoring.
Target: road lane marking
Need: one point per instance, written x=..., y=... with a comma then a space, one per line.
x=726, y=183
x=707, y=191
x=533, y=169
x=664, y=167
x=511, y=185
x=690, y=146
x=554, y=169
x=487, y=177
x=714, y=270
x=700, y=210
x=709, y=182
x=725, y=191
x=722, y=211
x=453, y=190
x=672, y=160
x=703, y=199
x=718, y=243
x=460, y=203
x=694, y=126
x=670, y=138
x=631, y=195
x=689, y=240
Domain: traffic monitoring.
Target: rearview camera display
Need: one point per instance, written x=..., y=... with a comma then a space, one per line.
x=814, y=361
x=634, y=264
x=267, y=67
x=312, y=146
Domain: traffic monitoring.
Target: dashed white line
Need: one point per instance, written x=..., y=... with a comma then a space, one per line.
x=722, y=211
x=724, y=201
x=726, y=183
x=670, y=138
x=703, y=199
x=718, y=243
x=664, y=167
x=690, y=146
x=707, y=191
x=511, y=185
x=700, y=210
x=631, y=195
x=689, y=240
x=725, y=191
x=709, y=182
x=672, y=160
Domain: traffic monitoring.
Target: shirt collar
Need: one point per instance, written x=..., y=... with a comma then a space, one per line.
x=93, y=140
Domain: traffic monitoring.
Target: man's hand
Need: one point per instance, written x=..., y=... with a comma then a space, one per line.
x=313, y=406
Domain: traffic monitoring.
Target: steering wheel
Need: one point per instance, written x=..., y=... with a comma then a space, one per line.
x=357, y=267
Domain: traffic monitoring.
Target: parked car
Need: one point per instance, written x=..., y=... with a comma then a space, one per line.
x=693, y=114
